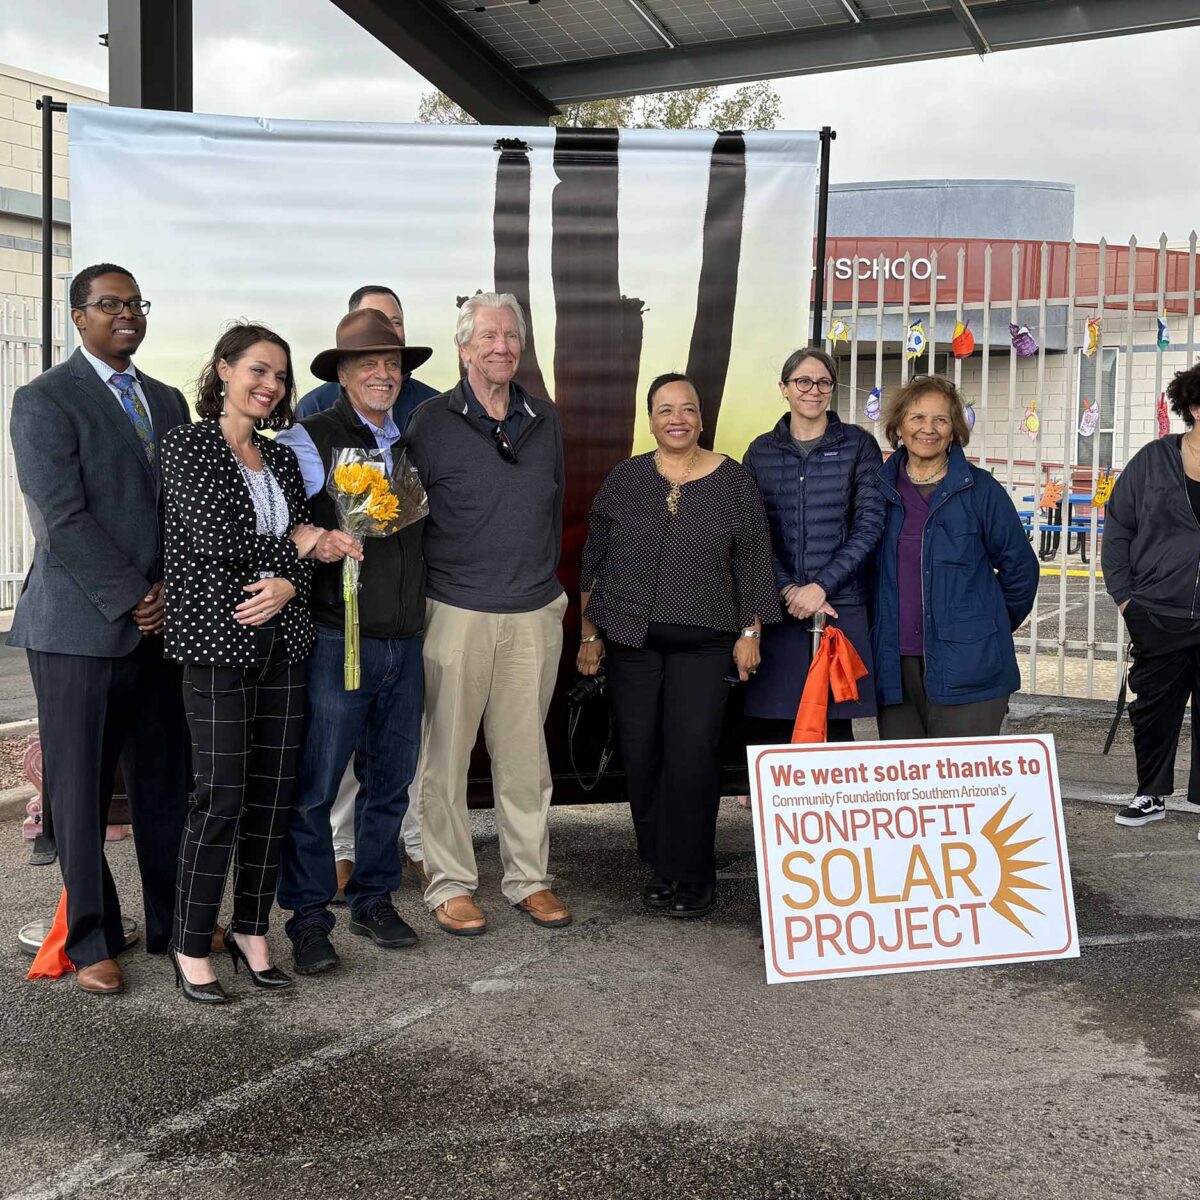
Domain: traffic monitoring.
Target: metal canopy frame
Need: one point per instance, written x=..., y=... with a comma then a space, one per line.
x=453, y=58
x=862, y=43
x=150, y=47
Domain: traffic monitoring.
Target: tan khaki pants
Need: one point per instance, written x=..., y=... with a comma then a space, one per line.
x=498, y=668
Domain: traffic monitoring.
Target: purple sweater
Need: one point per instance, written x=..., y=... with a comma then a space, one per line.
x=908, y=568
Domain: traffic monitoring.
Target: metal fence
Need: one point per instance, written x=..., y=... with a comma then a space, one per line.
x=20, y=361
x=1143, y=303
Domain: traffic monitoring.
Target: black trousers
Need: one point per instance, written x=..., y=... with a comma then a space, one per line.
x=247, y=724
x=765, y=731
x=93, y=714
x=915, y=717
x=668, y=698
x=1164, y=674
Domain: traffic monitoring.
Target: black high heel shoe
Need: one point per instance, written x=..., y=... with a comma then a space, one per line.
x=200, y=993
x=272, y=978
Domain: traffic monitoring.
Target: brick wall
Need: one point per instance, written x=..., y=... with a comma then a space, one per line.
x=21, y=174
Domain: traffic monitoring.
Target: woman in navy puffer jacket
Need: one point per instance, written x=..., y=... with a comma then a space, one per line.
x=818, y=482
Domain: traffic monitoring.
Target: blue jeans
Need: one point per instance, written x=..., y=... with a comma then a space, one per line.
x=383, y=718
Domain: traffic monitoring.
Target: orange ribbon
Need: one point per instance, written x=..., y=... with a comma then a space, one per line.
x=52, y=961
x=837, y=668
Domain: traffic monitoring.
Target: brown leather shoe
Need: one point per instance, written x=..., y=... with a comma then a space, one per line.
x=461, y=916
x=218, y=940
x=103, y=977
x=544, y=908
x=344, y=868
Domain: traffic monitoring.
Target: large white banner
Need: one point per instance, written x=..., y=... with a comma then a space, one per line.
x=635, y=251
x=880, y=857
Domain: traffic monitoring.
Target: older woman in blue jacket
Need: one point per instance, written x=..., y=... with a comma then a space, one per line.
x=817, y=477
x=954, y=577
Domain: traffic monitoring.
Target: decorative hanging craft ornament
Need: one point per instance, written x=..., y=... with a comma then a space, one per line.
x=839, y=331
x=1031, y=424
x=1163, y=415
x=1088, y=418
x=1023, y=341
x=970, y=414
x=1052, y=495
x=963, y=342
x=917, y=342
x=1164, y=335
x=1104, y=487
x=1092, y=342
x=874, y=404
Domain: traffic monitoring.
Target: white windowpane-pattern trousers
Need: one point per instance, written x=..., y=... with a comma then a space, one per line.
x=246, y=724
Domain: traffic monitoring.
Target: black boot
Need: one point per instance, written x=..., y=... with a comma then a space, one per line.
x=692, y=899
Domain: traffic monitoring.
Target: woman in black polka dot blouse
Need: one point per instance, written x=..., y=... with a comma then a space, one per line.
x=238, y=551
x=676, y=584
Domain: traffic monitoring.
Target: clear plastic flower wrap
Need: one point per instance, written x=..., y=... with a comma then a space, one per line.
x=370, y=501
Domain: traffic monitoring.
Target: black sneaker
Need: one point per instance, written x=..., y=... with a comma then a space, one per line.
x=1141, y=810
x=313, y=952
x=383, y=925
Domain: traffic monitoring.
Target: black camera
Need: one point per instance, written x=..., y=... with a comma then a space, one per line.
x=586, y=689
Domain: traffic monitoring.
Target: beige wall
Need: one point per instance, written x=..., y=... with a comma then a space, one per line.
x=21, y=171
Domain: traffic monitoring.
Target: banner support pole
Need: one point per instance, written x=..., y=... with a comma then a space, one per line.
x=49, y=107
x=828, y=136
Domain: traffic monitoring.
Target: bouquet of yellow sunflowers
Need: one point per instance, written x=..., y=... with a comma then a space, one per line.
x=370, y=502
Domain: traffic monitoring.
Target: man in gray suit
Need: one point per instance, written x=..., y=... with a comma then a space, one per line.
x=85, y=436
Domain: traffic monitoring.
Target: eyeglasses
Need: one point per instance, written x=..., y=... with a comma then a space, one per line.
x=504, y=446
x=802, y=383
x=112, y=305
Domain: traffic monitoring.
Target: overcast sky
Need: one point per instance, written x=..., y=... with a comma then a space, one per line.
x=1116, y=117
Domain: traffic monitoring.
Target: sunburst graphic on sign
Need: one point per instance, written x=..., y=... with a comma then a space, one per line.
x=1008, y=891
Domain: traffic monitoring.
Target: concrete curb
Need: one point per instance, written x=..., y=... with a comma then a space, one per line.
x=1080, y=792
x=16, y=728
x=13, y=800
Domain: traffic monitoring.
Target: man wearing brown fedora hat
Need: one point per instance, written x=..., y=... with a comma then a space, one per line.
x=383, y=716
x=412, y=393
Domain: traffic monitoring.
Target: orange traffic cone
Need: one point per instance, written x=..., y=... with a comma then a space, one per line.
x=52, y=961
x=837, y=668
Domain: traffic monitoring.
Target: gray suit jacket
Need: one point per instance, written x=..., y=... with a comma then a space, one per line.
x=94, y=503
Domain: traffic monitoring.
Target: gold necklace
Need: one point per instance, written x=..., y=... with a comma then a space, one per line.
x=926, y=478
x=673, y=492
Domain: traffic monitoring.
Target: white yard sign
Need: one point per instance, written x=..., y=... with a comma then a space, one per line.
x=908, y=856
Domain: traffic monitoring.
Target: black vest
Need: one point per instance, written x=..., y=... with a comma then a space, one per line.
x=391, y=597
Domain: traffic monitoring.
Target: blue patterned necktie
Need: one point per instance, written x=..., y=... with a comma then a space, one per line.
x=136, y=412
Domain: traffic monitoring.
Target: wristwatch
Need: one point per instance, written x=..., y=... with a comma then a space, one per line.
x=751, y=633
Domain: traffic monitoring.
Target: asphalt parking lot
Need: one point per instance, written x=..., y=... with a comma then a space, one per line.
x=631, y=1055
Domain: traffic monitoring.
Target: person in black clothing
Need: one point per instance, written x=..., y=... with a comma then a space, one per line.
x=1151, y=561
x=237, y=580
x=382, y=717
x=676, y=586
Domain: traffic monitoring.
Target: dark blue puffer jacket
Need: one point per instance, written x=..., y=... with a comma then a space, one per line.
x=979, y=578
x=825, y=511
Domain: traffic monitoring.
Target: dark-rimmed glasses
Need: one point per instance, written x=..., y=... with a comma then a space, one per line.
x=504, y=446
x=802, y=383
x=113, y=305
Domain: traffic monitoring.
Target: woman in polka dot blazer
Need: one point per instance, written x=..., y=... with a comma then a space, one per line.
x=676, y=584
x=238, y=551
